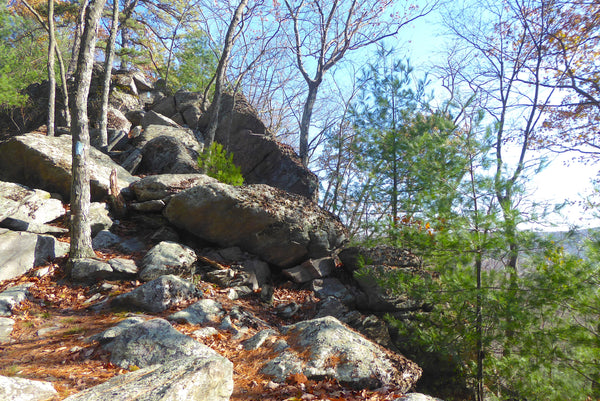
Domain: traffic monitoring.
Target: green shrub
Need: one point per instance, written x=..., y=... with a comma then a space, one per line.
x=217, y=163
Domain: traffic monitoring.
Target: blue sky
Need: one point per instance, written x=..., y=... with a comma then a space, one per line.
x=557, y=182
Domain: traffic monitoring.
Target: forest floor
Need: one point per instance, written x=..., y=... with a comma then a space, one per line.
x=48, y=340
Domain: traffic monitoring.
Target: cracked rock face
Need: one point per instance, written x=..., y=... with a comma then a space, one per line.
x=327, y=348
x=191, y=379
x=280, y=228
x=40, y=161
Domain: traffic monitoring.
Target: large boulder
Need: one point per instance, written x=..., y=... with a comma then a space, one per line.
x=153, y=342
x=264, y=160
x=280, y=228
x=167, y=150
x=189, y=379
x=327, y=348
x=22, y=251
x=234, y=115
x=20, y=389
x=157, y=295
x=44, y=162
x=167, y=258
x=28, y=205
x=161, y=186
x=261, y=158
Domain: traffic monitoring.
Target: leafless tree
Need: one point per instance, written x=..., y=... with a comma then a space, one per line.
x=323, y=32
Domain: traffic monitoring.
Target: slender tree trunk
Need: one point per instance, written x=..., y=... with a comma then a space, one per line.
x=220, y=74
x=51, y=76
x=108, y=62
x=479, y=326
x=65, y=88
x=77, y=39
x=313, y=88
x=81, y=238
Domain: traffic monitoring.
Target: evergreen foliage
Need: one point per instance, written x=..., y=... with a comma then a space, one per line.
x=217, y=163
x=22, y=57
x=196, y=63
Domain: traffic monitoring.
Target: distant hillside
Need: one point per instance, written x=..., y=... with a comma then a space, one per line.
x=572, y=241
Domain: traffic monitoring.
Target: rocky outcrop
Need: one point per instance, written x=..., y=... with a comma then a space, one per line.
x=153, y=342
x=13, y=296
x=202, y=312
x=157, y=295
x=159, y=187
x=20, y=389
x=190, y=379
x=167, y=258
x=280, y=228
x=262, y=159
x=44, y=162
x=22, y=251
x=327, y=348
x=29, y=205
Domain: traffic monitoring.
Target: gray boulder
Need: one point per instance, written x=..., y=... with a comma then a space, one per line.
x=166, y=258
x=44, y=162
x=105, y=240
x=87, y=270
x=13, y=296
x=93, y=270
x=110, y=334
x=22, y=251
x=264, y=160
x=153, y=342
x=164, y=108
x=99, y=218
x=280, y=228
x=310, y=269
x=167, y=155
x=168, y=150
x=202, y=312
x=123, y=268
x=20, y=389
x=183, y=135
x=261, y=158
x=157, y=295
x=189, y=379
x=327, y=348
x=161, y=186
x=29, y=205
x=36, y=228
x=332, y=287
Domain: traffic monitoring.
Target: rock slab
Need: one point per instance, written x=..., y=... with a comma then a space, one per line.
x=22, y=251
x=40, y=161
x=189, y=379
x=281, y=228
x=327, y=348
x=19, y=389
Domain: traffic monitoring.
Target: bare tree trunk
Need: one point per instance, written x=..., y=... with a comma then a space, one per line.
x=220, y=74
x=81, y=238
x=108, y=62
x=61, y=64
x=77, y=39
x=51, y=76
x=309, y=105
